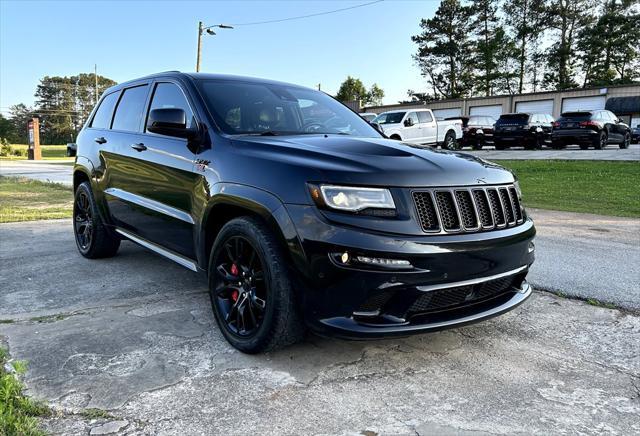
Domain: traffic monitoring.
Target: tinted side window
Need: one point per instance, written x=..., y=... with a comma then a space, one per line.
x=102, y=118
x=169, y=95
x=425, y=117
x=130, y=109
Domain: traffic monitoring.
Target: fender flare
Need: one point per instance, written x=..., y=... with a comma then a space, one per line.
x=257, y=202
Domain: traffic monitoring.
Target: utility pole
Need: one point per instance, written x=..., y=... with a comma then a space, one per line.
x=95, y=76
x=199, y=46
x=207, y=29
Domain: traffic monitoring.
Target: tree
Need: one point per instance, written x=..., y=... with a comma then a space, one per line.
x=526, y=22
x=64, y=103
x=493, y=49
x=375, y=95
x=609, y=50
x=19, y=116
x=444, y=55
x=566, y=18
x=6, y=128
x=353, y=89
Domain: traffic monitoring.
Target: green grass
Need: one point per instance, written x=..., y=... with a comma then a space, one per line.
x=18, y=414
x=22, y=199
x=598, y=187
x=48, y=152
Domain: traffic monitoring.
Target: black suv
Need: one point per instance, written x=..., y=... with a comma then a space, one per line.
x=295, y=222
x=590, y=128
x=531, y=131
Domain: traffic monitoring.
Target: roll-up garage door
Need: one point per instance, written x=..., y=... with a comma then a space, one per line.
x=535, y=106
x=494, y=110
x=583, y=103
x=441, y=114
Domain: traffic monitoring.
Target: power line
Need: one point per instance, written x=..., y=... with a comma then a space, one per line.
x=307, y=16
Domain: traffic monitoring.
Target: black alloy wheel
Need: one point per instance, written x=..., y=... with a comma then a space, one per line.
x=626, y=141
x=601, y=141
x=241, y=292
x=252, y=288
x=93, y=239
x=83, y=221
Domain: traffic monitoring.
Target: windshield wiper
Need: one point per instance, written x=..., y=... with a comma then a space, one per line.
x=268, y=133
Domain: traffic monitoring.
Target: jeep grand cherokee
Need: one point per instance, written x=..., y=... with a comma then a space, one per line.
x=299, y=211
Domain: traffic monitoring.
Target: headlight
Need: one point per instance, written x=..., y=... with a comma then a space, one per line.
x=516, y=184
x=351, y=198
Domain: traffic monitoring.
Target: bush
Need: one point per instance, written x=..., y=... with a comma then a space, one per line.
x=7, y=150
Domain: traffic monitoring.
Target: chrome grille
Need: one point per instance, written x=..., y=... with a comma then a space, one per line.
x=456, y=210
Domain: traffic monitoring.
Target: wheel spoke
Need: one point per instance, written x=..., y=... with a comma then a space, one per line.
x=226, y=275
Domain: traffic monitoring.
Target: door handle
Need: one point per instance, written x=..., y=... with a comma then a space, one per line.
x=100, y=140
x=139, y=146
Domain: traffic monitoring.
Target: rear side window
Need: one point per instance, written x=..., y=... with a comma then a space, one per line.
x=169, y=95
x=425, y=117
x=130, y=109
x=102, y=118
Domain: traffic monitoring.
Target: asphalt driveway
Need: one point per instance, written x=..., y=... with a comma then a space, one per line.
x=134, y=335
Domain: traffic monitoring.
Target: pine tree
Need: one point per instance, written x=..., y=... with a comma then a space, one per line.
x=444, y=50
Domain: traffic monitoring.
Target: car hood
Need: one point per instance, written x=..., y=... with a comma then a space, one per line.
x=371, y=161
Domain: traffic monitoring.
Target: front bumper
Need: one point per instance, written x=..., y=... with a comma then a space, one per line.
x=358, y=302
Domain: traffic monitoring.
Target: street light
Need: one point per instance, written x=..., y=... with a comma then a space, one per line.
x=209, y=30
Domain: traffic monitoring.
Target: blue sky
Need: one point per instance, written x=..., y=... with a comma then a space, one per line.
x=128, y=39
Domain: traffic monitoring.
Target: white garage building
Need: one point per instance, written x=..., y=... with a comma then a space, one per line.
x=623, y=100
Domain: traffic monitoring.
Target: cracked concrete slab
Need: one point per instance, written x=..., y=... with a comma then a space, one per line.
x=138, y=340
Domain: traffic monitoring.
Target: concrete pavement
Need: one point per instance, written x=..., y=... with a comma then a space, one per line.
x=58, y=171
x=134, y=335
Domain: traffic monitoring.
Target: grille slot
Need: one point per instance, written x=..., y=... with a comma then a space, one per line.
x=483, y=208
x=426, y=211
x=516, y=203
x=496, y=206
x=455, y=210
x=442, y=299
x=508, y=207
x=447, y=208
x=467, y=211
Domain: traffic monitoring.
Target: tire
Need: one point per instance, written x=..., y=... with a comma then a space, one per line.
x=478, y=146
x=500, y=146
x=450, y=142
x=601, y=142
x=265, y=296
x=584, y=146
x=396, y=137
x=626, y=141
x=93, y=239
x=558, y=145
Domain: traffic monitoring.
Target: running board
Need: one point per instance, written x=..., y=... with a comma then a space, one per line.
x=177, y=258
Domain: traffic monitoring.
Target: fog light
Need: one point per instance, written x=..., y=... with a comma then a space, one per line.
x=532, y=247
x=383, y=262
x=345, y=257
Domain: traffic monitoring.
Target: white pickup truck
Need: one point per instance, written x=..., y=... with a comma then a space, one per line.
x=419, y=126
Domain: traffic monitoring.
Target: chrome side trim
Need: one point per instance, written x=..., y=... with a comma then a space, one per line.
x=428, y=288
x=189, y=264
x=150, y=204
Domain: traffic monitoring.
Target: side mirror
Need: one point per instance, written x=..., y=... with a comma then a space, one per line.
x=72, y=149
x=408, y=122
x=170, y=122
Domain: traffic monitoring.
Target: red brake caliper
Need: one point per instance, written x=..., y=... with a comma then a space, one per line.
x=234, y=271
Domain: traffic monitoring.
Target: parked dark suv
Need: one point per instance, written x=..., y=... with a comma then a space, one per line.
x=591, y=129
x=531, y=131
x=297, y=223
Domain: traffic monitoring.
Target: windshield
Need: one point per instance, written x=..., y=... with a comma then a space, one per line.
x=245, y=108
x=389, y=118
